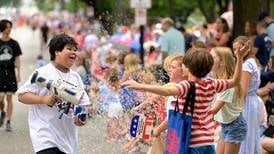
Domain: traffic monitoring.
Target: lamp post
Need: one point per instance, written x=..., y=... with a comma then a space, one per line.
x=141, y=7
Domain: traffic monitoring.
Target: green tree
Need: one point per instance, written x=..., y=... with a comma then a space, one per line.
x=212, y=9
x=12, y=3
x=71, y=5
x=172, y=8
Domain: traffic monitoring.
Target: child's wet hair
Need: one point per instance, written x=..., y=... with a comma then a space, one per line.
x=58, y=42
x=199, y=62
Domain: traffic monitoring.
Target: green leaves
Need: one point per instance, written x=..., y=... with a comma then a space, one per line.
x=10, y=3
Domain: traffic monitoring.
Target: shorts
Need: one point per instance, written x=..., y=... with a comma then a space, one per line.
x=8, y=81
x=53, y=150
x=235, y=131
x=206, y=149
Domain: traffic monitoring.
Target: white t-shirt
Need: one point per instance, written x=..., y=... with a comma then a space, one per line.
x=46, y=129
x=231, y=109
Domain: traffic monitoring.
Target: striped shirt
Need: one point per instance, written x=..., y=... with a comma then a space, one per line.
x=203, y=125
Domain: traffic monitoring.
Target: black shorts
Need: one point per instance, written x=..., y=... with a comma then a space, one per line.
x=8, y=81
x=53, y=150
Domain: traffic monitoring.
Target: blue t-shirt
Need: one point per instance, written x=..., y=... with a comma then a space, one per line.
x=267, y=77
x=264, y=44
x=270, y=33
x=172, y=42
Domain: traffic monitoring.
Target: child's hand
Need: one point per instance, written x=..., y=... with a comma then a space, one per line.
x=155, y=132
x=49, y=100
x=131, y=84
x=79, y=122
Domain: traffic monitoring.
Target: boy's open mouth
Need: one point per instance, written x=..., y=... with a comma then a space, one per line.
x=72, y=57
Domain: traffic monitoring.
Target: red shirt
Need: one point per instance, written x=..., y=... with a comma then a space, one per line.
x=202, y=129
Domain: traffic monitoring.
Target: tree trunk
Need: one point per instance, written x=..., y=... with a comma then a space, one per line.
x=246, y=11
x=213, y=11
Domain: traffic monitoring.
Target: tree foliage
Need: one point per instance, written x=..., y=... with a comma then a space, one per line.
x=172, y=8
x=12, y=3
x=120, y=11
x=71, y=5
x=112, y=12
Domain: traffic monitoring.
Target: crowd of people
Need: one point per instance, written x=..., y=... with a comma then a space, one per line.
x=234, y=79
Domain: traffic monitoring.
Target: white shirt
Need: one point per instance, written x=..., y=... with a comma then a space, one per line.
x=46, y=129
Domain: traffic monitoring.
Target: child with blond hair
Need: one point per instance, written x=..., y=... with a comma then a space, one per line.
x=227, y=105
x=173, y=66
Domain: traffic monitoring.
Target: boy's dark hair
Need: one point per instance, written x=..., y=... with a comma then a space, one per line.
x=3, y=24
x=199, y=61
x=58, y=42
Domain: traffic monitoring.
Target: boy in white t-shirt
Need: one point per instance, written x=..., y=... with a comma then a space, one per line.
x=48, y=133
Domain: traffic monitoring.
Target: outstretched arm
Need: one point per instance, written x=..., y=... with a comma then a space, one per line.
x=162, y=127
x=160, y=90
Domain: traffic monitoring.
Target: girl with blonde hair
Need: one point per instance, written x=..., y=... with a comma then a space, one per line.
x=250, y=81
x=227, y=105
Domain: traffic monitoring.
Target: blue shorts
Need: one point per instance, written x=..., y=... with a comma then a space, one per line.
x=234, y=131
x=206, y=149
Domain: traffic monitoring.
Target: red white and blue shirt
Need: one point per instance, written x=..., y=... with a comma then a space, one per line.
x=203, y=124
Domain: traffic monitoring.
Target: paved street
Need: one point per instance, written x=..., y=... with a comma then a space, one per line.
x=91, y=136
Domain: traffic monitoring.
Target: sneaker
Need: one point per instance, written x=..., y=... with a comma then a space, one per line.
x=2, y=118
x=8, y=127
